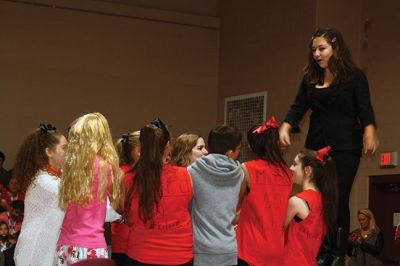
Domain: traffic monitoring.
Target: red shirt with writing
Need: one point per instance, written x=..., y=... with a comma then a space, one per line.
x=304, y=238
x=169, y=241
x=260, y=231
x=120, y=231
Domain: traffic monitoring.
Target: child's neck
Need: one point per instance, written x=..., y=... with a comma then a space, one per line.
x=307, y=185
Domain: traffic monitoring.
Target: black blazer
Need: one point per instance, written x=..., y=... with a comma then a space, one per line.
x=339, y=113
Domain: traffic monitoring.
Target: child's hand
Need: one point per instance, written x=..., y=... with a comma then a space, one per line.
x=236, y=219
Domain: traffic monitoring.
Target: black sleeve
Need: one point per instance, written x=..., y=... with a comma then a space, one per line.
x=351, y=245
x=363, y=100
x=298, y=108
x=376, y=248
x=350, y=248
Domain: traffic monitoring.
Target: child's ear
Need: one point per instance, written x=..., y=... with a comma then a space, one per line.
x=229, y=153
x=308, y=170
x=49, y=152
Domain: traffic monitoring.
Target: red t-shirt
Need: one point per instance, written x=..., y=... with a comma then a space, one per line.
x=120, y=231
x=9, y=198
x=260, y=231
x=304, y=238
x=169, y=241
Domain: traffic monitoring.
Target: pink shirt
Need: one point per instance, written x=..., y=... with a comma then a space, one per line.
x=83, y=226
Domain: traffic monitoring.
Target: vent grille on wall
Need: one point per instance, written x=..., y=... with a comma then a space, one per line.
x=243, y=112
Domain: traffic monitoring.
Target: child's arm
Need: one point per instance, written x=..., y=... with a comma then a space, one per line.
x=243, y=192
x=105, y=172
x=296, y=206
x=244, y=187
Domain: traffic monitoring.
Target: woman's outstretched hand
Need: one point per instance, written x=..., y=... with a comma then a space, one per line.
x=371, y=141
x=284, y=134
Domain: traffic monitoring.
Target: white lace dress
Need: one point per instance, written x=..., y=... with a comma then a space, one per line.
x=42, y=222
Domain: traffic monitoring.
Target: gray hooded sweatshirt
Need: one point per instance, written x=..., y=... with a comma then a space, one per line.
x=216, y=186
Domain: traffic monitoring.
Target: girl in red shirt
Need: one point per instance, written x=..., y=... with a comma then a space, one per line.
x=312, y=212
x=128, y=149
x=158, y=205
x=268, y=184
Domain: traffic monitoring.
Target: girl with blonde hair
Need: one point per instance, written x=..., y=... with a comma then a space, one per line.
x=90, y=174
x=365, y=244
x=187, y=148
x=128, y=149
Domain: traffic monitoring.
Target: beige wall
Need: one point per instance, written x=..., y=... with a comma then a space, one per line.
x=134, y=63
x=131, y=64
x=263, y=46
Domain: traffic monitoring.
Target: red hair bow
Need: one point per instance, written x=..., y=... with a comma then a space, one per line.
x=270, y=123
x=322, y=152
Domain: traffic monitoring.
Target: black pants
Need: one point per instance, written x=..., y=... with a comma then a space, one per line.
x=119, y=258
x=346, y=169
x=132, y=262
x=333, y=248
x=242, y=263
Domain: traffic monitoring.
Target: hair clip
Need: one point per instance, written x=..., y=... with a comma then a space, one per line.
x=321, y=153
x=125, y=138
x=46, y=128
x=158, y=123
x=271, y=123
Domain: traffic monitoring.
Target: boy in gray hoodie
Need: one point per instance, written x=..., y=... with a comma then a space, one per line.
x=217, y=179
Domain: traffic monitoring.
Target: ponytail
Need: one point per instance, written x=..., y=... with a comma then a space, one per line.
x=327, y=184
x=324, y=177
x=125, y=145
x=265, y=145
x=147, y=182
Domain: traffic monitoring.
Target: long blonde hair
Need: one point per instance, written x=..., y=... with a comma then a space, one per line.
x=368, y=213
x=89, y=136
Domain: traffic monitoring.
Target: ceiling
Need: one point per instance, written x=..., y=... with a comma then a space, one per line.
x=195, y=7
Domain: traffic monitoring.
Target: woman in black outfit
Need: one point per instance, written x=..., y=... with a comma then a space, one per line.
x=342, y=117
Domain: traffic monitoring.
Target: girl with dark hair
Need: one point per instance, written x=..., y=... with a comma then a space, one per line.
x=5, y=241
x=158, y=204
x=342, y=117
x=268, y=185
x=128, y=149
x=312, y=212
x=38, y=165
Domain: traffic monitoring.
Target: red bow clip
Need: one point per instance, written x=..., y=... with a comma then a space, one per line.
x=322, y=152
x=270, y=123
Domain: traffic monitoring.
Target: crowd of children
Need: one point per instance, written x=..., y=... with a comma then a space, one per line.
x=181, y=204
x=173, y=215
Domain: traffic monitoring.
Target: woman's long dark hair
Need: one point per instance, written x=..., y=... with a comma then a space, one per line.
x=147, y=181
x=265, y=145
x=324, y=177
x=341, y=63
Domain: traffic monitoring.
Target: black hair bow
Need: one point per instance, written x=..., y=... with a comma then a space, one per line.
x=46, y=128
x=125, y=138
x=158, y=123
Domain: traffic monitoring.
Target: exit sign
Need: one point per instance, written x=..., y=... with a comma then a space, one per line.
x=388, y=159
